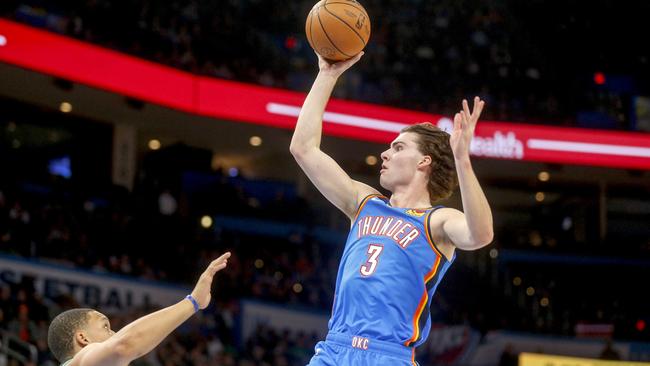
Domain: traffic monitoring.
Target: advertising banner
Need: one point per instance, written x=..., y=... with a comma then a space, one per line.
x=104, y=292
x=235, y=101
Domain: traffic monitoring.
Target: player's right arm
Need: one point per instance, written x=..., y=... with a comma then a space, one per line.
x=141, y=336
x=137, y=338
x=330, y=179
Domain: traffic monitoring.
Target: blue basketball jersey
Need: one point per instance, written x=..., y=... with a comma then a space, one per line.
x=388, y=273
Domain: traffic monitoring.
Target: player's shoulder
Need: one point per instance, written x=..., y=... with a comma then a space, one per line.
x=93, y=352
x=364, y=191
x=364, y=194
x=439, y=216
x=441, y=212
x=78, y=359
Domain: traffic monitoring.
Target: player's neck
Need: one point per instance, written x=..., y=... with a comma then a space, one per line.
x=410, y=197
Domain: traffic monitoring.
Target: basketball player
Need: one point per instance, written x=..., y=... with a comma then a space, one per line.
x=399, y=247
x=83, y=337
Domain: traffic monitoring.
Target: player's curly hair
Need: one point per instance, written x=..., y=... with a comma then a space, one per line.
x=434, y=142
x=60, y=335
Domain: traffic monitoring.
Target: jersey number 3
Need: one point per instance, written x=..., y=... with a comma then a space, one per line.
x=368, y=268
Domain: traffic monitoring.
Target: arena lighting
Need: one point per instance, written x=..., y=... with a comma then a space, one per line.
x=340, y=118
x=543, y=176
x=592, y=148
x=371, y=160
x=599, y=78
x=65, y=107
x=539, y=196
x=154, y=144
x=290, y=42
x=149, y=82
x=255, y=141
x=530, y=291
x=206, y=221
x=544, y=302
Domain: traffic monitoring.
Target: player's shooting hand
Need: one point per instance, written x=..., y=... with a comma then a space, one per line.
x=464, y=126
x=202, y=290
x=337, y=68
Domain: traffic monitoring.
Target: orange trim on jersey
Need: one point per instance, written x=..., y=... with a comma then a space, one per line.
x=363, y=203
x=432, y=272
x=423, y=302
x=413, y=357
x=416, y=318
x=425, y=296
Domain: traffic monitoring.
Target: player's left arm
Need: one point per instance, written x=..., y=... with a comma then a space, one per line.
x=472, y=229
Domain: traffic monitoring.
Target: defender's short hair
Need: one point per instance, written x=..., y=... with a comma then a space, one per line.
x=60, y=335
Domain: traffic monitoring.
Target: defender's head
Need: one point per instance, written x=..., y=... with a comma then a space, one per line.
x=74, y=329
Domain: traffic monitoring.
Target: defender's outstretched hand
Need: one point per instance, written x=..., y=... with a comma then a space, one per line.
x=202, y=290
x=338, y=68
x=464, y=126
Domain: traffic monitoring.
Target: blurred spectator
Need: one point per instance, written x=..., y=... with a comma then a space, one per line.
x=508, y=357
x=609, y=353
x=167, y=203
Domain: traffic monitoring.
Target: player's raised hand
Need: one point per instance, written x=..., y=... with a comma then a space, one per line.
x=337, y=68
x=464, y=126
x=202, y=290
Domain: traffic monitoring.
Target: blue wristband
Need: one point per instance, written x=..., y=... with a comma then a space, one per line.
x=193, y=300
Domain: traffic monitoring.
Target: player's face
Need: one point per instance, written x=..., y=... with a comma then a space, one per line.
x=98, y=328
x=400, y=162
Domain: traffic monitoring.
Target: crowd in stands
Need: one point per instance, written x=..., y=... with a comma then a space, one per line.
x=422, y=55
x=105, y=235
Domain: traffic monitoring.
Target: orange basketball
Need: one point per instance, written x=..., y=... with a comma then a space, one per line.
x=338, y=29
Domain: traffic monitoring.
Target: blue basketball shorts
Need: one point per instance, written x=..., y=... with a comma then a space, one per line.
x=344, y=350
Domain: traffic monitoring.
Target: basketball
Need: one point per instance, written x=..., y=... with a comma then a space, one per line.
x=338, y=29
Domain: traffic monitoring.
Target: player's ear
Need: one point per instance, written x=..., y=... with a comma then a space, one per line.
x=425, y=161
x=81, y=339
